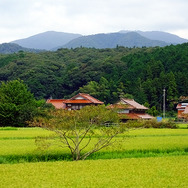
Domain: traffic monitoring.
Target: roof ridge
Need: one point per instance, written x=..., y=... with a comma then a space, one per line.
x=133, y=103
x=88, y=97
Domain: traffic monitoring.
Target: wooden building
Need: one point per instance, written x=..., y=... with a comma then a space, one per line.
x=75, y=103
x=182, y=109
x=129, y=109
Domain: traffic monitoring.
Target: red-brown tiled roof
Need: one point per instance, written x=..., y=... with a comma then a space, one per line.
x=84, y=99
x=129, y=116
x=186, y=110
x=135, y=116
x=182, y=105
x=77, y=101
x=57, y=103
x=178, y=106
x=87, y=97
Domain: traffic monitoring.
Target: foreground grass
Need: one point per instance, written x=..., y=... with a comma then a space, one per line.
x=140, y=172
x=182, y=125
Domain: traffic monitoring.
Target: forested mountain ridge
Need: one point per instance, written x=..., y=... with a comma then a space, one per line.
x=104, y=73
x=52, y=40
x=8, y=48
x=111, y=40
x=160, y=35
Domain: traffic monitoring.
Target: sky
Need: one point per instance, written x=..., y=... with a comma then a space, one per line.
x=24, y=18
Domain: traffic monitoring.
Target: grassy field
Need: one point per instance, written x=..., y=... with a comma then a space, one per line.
x=19, y=145
x=139, y=172
x=142, y=158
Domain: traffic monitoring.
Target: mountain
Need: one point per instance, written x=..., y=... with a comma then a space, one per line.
x=52, y=40
x=47, y=40
x=160, y=35
x=111, y=40
x=8, y=48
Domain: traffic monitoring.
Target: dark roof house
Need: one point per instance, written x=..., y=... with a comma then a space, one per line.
x=129, y=109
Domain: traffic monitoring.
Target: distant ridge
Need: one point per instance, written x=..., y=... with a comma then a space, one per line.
x=8, y=48
x=47, y=40
x=52, y=40
x=130, y=39
x=160, y=35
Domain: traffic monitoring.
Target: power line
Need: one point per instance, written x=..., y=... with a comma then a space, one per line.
x=164, y=102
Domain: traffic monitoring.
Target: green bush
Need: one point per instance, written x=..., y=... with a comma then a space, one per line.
x=17, y=104
x=150, y=124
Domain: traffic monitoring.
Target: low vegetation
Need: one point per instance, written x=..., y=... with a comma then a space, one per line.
x=151, y=124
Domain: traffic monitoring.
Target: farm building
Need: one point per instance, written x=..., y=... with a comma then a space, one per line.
x=182, y=110
x=75, y=103
x=129, y=109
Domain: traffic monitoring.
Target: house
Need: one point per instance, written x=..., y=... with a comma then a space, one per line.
x=75, y=103
x=182, y=110
x=129, y=109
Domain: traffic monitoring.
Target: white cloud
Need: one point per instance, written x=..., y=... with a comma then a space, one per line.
x=23, y=18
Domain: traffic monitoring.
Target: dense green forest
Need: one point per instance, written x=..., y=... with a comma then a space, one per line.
x=107, y=74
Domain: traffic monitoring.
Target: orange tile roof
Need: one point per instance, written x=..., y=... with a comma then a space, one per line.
x=87, y=97
x=84, y=99
x=178, y=106
x=135, y=116
x=77, y=101
x=186, y=110
x=57, y=103
x=129, y=116
x=182, y=105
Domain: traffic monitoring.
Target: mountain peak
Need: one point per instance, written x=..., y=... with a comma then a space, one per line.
x=159, y=35
x=52, y=40
x=46, y=40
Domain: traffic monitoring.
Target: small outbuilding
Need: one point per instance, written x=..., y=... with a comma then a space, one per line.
x=182, y=109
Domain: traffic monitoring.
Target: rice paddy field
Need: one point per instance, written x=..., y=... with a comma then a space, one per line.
x=141, y=158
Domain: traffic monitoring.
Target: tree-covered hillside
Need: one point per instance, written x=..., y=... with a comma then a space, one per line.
x=111, y=40
x=104, y=73
x=9, y=48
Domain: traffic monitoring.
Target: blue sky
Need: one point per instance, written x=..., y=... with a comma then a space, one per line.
x=24, y=18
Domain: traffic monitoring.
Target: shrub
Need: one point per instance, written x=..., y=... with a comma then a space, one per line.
x=150, y=124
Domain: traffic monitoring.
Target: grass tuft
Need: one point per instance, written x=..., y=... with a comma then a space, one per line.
x=8, y=129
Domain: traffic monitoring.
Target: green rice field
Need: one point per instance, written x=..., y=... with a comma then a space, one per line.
x=134, y=172
x=135, y=143
x=141, y=158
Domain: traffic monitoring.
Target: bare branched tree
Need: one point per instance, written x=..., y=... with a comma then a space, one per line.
x=83, y=131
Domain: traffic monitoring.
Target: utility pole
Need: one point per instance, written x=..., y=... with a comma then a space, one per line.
x=164, y=103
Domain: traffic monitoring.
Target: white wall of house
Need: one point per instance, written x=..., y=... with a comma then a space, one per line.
x=124, y=111
x=79, y=97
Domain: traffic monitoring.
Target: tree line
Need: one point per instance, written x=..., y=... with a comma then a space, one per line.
x=107, y=74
